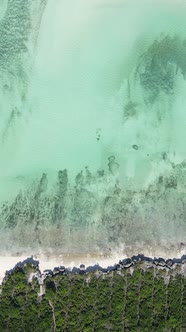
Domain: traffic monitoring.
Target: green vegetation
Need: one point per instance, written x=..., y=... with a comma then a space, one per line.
x=135, y=299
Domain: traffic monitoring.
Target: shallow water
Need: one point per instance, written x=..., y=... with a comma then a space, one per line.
x=96, y=88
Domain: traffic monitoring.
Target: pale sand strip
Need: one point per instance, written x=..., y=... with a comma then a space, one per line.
x=49, y=260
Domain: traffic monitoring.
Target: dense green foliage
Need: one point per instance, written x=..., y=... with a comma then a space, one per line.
x=135, y=299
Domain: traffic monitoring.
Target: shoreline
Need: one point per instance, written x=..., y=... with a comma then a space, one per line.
x=49, y=258
x=55, y=266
